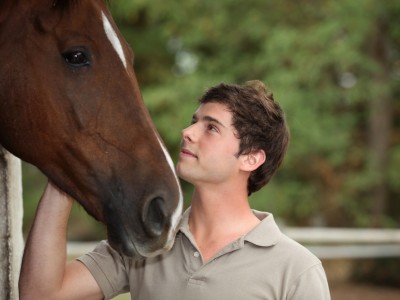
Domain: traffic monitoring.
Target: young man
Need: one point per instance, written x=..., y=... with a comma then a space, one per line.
x=224, y=250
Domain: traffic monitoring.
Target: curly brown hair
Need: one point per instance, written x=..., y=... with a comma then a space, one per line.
x=259, y=122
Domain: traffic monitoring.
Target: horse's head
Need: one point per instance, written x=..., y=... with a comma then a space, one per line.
x=70, y=104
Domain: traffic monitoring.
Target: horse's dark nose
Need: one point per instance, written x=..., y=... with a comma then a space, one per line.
x=155, y=217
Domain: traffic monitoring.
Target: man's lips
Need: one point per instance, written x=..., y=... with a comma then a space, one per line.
x=186, y=152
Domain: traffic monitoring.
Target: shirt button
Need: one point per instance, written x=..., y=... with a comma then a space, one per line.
x=196, y=254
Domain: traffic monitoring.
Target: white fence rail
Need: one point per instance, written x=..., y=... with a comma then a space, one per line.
x=334, y=243
x=343, y=235
x=326, y=243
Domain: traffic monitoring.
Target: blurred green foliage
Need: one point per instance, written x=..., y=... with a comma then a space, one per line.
x=332, y=65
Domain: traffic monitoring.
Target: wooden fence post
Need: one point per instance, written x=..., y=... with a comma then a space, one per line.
x=11, y=212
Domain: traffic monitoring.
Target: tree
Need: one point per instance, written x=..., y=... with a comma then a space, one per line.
x=332, y=64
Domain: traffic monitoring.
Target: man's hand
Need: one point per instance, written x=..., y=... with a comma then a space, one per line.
x=45, y=273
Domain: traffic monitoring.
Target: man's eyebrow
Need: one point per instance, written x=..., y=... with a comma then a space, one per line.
x=214, y=120
x=208, y=119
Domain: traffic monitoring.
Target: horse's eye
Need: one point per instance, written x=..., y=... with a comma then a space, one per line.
x=76, y=58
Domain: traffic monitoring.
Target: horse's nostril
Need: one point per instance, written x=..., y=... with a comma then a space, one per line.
x=155, y=219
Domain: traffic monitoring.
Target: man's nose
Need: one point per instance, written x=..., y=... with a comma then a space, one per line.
x=188, y=134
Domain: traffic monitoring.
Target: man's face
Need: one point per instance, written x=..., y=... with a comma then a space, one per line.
x=209, y=147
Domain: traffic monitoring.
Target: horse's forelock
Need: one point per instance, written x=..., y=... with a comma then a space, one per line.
x=65, y=4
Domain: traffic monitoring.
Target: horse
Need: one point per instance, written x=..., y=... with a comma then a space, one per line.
x=70, y=105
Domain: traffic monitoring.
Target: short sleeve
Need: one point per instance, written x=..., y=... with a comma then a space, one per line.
x=310, y=285
x=108, y=268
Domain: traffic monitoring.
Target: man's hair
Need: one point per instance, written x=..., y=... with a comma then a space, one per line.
x=259, y=123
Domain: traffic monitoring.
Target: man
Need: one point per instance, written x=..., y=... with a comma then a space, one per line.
x=224, y=250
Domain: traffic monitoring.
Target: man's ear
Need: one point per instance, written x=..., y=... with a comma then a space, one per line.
x=253, y=160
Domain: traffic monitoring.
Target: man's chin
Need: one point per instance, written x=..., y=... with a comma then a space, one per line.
x=185, y=177
x=179, y=170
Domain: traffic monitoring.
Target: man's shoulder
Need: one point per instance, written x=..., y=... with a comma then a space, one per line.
x=269, y=235
x=295, y=248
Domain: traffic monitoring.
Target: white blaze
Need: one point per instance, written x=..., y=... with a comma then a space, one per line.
x=178, y=212
x=113, y=38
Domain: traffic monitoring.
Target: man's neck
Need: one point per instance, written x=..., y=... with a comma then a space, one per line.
x=219, y=218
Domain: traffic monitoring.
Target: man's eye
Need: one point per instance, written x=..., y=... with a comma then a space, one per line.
x=211, y=128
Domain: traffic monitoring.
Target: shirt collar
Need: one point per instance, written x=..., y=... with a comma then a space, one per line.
x=265, y=234
x=184, y=226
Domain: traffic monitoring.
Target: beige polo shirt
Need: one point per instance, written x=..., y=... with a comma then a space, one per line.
x=263, y=264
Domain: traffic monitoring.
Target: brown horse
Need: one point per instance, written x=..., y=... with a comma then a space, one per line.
x=70, y=105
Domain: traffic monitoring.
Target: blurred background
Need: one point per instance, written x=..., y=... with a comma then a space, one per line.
x=333, y=65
